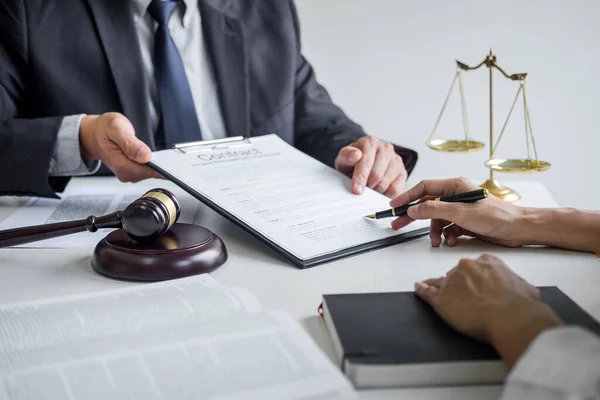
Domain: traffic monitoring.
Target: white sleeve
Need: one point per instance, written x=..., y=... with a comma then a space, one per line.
x=560, y=364
x=66, y=157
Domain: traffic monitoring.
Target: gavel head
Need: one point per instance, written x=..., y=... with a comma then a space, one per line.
x=151, y=215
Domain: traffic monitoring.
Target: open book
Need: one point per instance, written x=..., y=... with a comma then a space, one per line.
x=185, y=339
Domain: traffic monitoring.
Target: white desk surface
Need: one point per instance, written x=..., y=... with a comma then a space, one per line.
x=27, y=274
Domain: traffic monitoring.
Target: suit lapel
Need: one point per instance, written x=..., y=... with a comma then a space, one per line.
x=225, y=43
x=116, y=27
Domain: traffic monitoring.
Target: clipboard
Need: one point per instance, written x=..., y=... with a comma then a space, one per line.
x=241, y=142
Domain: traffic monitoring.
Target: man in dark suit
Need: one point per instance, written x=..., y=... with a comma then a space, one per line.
x=93, y=86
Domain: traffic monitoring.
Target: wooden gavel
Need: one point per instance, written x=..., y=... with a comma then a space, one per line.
x=144, y=220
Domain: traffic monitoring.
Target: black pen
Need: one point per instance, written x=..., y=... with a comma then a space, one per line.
x=468, y=197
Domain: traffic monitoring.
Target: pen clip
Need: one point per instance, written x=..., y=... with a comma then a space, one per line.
x=210, y=145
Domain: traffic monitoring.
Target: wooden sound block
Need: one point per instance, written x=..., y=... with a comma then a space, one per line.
x=182, y=251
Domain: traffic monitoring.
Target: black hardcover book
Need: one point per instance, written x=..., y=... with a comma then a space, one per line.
x=396, y=339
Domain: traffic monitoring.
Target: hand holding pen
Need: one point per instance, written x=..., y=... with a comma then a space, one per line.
x=466, y=197
x=489, y=219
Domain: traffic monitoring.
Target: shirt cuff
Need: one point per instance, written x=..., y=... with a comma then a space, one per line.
x=562, y=361
x=66, y=156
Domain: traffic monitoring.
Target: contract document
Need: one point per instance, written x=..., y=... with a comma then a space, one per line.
x=300, y=207
x=183, y=339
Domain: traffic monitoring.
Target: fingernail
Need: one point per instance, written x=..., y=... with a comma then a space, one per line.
x=352, y=156
x=413, y=212
x=139, y=157
x=358, y=188
x=451, y=242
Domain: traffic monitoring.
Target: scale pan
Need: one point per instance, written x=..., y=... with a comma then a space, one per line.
x=516, y=165
x=455, y=146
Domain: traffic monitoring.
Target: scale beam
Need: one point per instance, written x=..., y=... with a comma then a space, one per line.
x=491, y=62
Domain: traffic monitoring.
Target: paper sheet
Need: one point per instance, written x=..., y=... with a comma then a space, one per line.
x=80, y=202
x=296, y=201
x=188, y=338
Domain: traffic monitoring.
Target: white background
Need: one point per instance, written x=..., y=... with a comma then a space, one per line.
x=389, y=65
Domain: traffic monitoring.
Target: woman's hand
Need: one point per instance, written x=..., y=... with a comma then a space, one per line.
x=491, y=219
x=484, y=299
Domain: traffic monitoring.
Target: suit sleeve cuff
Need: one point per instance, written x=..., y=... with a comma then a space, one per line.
x=409, y=157
x=66, y=157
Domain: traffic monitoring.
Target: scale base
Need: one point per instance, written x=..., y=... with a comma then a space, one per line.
x=500, y=191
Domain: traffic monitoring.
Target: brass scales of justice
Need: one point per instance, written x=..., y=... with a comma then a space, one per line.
x=468, y=145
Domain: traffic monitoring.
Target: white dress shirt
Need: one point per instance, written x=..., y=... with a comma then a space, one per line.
x=560, y=364
x=185, y=26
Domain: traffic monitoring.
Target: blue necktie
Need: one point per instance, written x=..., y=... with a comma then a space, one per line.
x=179, y=121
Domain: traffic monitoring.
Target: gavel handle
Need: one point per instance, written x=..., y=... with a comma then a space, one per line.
x=17, y=236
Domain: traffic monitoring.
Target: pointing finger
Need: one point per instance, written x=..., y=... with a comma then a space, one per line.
x=363, y=168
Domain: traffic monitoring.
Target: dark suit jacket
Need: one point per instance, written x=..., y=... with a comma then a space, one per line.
x=82, y=56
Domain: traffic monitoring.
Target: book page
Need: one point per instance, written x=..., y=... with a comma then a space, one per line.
x=79, y=203
x=188, y=338
x=291, y=198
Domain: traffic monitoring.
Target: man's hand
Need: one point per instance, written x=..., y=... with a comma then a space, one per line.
x=374, y=163
x=491, y=219
x=111, y=139
x=484, y=299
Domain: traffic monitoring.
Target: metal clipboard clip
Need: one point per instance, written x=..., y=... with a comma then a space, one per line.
x=215, y=144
